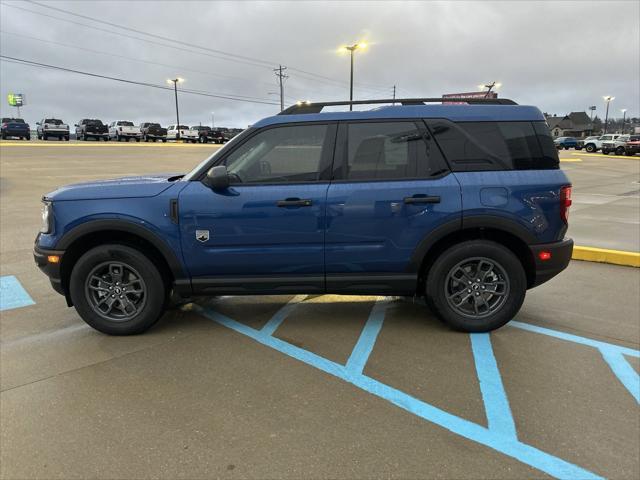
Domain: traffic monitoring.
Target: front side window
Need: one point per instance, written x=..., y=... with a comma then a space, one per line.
x=281, y=154
x=388, y=151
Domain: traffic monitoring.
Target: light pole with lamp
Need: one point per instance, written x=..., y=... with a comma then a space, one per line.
x=607, y=99
x=624, y=118
x=175, y=82
x=351, y=49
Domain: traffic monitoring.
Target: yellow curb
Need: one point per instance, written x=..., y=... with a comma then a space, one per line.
x=609, y=156
x=570, y=159
x=603, y=255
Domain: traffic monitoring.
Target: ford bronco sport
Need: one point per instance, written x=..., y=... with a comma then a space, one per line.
x=463, y=204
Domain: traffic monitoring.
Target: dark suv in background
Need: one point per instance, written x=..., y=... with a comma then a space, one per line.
x=15, y=127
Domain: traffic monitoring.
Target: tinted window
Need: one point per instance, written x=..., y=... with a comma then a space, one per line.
x=282, y=154
x=94, y=122
x=388, y=150
x=53, y=121
x=477, y=146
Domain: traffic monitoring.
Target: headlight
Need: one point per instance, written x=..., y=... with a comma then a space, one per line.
x=47, y=217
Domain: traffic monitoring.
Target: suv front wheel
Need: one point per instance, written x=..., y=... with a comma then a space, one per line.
x=117, y=290
x=476, y=286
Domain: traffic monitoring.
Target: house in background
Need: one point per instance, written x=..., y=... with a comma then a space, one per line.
x=576, y=124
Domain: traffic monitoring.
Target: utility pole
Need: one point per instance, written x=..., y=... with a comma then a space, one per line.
x=281, y=78
x=175, y=82
x=394, y=94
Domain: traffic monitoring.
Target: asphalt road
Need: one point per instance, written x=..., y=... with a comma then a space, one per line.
x=309, y=387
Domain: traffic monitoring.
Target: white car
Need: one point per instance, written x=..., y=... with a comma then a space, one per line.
x=124, y=130
x=594, y=144
x=52, y=127
x=182, y=132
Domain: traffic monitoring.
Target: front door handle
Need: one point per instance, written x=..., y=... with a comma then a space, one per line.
x=294, y=202
x=422, y=199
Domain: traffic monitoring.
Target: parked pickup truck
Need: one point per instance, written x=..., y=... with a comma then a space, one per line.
x=594, y=145
x=617, y=146
x=182, y=132
x=219, y=135
x=205, y=135
x=15, y=127
x=565, y=142
x=52, y=127
x=153, y=131
x=124, y=130
x=91, y=128
x=632, y=147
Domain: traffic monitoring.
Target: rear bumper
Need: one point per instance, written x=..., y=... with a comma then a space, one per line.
x=55, y=133
x=51, y=270
x=560, y=256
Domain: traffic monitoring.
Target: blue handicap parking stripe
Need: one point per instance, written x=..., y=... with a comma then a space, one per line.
x=13, y=294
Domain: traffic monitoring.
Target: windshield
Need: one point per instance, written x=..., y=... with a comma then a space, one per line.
x=94, y=122
x=125, y=124
x=16, y=120
x=193, y=173
x=53, y=121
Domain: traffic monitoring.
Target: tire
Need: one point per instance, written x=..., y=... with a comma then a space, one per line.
x=137, y=139
x=605, y=152
x=118, y=138
x=91, y=282
x=164, y=140
x=590, y=148
x=146, y=139
x=66, y=138
x=443, y=289
x=619, y=151
x=28, y=138
x=3, y=136
x=85, y=138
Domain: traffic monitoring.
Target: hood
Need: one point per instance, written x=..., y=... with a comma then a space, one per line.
x=127, y=187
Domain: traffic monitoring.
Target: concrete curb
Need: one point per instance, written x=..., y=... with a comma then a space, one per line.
x=603, y=255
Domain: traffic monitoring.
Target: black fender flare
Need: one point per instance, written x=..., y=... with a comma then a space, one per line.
x=126, y=226
x=470, y=222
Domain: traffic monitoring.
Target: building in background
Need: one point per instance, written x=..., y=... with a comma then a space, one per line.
x=576, y=124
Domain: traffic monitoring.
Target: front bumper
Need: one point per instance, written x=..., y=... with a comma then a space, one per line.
x=545, y=270
x=51, y=270
x=632, y=149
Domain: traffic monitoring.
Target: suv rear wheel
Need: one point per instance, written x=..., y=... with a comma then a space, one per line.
x=117, y=290
x=476, y=286
x=590, y=147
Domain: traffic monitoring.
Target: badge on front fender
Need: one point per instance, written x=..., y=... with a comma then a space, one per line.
x=202, y=235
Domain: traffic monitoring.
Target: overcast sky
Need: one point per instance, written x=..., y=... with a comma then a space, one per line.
x=559, y=56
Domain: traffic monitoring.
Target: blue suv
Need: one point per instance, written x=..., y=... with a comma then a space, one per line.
x=463, y=204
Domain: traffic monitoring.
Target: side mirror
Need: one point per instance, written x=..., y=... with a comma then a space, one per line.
x=218, y=178
x=38, y=123
x=75, y=125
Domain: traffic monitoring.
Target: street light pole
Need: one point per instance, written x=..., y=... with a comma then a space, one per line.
x=607, y=99
x=175, y=82
x=351, y=49
x=624, y=118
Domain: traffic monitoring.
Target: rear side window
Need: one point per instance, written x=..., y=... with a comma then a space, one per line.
x=481, y=146
x=388, y=151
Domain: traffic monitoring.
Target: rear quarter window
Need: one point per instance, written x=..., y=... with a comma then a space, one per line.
x=490, y=146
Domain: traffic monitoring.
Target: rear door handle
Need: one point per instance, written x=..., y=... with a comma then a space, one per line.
x=294, y=202
x=422, y=199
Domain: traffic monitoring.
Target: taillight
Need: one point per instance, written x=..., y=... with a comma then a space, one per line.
x=565, y=202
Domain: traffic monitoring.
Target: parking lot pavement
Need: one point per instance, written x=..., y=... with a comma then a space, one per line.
x=606, y=199
x=307, y=386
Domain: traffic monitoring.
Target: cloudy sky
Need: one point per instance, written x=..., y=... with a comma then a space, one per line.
x=559, y=56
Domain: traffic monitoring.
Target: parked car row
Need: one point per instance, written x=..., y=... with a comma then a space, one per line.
x=119, y=130
x=609, y=143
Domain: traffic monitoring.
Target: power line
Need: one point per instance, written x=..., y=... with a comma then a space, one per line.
x=132, y=82
x=149, y=62
x=227, y=55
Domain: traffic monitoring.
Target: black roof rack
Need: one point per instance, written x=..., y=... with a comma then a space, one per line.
x=316, y=107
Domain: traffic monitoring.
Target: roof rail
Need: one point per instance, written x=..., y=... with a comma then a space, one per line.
x=316, y=107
